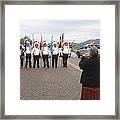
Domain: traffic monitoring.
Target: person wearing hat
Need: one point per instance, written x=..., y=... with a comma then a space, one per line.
x=90, y=78
x=45, y=53
x=54, y=55
x=65, y=54
x=28, y=50
x=36, y=54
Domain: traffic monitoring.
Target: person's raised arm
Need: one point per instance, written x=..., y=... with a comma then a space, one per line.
x=82, y=62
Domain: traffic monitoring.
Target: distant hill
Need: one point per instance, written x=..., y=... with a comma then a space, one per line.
x=97, y=41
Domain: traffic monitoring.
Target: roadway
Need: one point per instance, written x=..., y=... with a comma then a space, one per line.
x=53, y=83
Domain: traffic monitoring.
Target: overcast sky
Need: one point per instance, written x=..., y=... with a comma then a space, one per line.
x=74, y=30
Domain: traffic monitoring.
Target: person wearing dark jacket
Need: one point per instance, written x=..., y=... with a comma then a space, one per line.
x=90, y=78
x=21, y=55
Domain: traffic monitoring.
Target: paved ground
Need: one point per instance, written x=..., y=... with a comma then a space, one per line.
x=51, y=84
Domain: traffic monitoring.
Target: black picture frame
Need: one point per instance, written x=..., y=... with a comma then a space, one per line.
x=66, y=2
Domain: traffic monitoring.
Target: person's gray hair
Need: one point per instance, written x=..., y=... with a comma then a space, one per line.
x=94, y=51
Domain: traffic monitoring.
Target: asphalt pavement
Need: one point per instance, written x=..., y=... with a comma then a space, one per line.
x=51, y=83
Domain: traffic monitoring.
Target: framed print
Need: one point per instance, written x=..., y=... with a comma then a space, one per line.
x=60, y=60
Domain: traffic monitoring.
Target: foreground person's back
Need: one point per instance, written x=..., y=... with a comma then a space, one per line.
x=90, y=78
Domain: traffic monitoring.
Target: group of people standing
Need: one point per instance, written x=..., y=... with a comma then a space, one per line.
x=43, y=52
x=90, y=78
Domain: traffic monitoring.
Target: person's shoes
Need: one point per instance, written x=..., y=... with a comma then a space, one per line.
x=65, y=66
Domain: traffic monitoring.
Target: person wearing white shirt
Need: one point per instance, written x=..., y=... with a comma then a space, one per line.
x=45, y=53
x=36, y=55
x=28, y=50
x=54, y=55
x=65, y=54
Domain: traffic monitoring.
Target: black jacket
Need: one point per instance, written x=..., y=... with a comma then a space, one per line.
x=91, y=72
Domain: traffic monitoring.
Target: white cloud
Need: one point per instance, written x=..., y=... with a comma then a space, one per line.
x=78, y=30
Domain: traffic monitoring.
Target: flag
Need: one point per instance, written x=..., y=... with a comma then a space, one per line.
x=60, y=42
x=52, y=39
x=51, y=43
x=33, y=38
x=41, y=42
x=62, y=37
